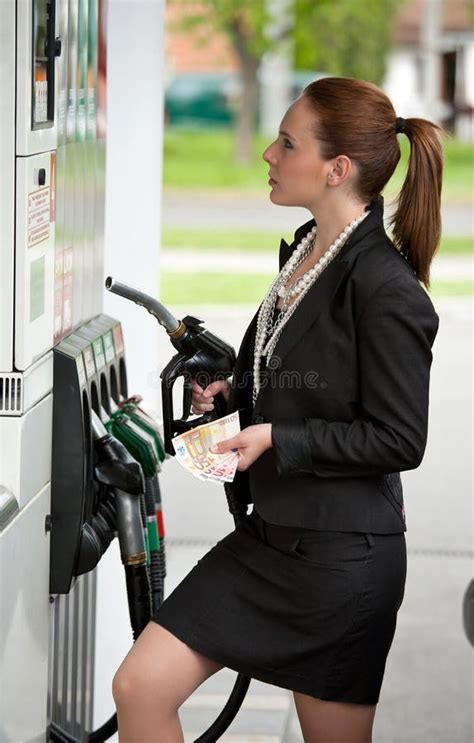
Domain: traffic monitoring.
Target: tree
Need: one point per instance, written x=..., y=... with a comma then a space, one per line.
x=349, y=37
x=344, y=37
x=243, y=22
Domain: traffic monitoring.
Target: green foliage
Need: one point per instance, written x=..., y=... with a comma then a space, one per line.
x=248, y=18
x=212, y=288
x=190, y=289
x=340, y=37
x=204, y=159
x=344, y=37
x=266, y=241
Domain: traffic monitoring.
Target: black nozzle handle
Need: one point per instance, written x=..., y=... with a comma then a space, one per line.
x=154, y=307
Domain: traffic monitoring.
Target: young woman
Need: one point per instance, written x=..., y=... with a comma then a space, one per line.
x=332, y=383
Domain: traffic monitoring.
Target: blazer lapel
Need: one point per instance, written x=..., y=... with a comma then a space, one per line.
x=286, y=250
x=319, y=295
x=315, y=300
x=322, y=291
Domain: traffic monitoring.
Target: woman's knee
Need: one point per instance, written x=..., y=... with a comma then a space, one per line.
x=121, y=687
x=161, y=668
x=148, y=669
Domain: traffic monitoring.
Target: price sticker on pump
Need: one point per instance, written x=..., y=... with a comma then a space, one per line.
x=81, y=374
x=118, y=340
x=109, y=346
x=99, y=353
x=89, y=362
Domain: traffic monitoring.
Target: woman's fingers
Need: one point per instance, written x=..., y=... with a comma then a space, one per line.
x=199, y=410
x=200, y=403
x=202, y=399
x=221, y=385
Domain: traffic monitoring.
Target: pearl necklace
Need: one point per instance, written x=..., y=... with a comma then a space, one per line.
x=268, y=333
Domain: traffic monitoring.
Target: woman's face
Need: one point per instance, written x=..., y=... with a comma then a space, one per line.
x=298, y=174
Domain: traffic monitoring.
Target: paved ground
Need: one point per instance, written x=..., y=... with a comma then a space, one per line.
x=427, y=691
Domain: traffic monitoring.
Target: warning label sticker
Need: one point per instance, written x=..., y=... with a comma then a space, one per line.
x=38, y=216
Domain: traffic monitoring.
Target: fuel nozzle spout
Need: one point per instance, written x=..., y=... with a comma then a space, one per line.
x=172, y=325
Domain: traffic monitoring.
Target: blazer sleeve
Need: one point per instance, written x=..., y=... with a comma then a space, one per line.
x=395, y=334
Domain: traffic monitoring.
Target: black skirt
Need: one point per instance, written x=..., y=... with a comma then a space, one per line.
x=310, y=611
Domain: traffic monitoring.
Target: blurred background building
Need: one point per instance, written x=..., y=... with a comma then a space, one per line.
x=429, y=65
x=430, y=70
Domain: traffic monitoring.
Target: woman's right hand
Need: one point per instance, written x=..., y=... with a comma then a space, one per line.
x=202, y=400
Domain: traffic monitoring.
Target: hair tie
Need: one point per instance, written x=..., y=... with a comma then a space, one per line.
x=399, y=125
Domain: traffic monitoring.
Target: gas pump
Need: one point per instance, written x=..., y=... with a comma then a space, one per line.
x=52, y=178
x=79, y=459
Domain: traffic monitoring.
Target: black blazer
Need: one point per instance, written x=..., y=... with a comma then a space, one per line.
x=346, y=391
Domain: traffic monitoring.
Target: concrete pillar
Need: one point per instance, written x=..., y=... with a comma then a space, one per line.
x=133, y=221
x=135, y=104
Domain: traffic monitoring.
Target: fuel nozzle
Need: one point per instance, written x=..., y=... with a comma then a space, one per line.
x=201, y=355
x=117, y=469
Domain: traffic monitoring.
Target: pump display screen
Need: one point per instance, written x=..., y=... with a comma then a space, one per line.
x=42, y=89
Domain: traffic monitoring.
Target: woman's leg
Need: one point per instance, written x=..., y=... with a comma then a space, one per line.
x=334, y=722
x=159, y=673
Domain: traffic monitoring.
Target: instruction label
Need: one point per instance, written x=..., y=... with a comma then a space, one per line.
x=38, y=216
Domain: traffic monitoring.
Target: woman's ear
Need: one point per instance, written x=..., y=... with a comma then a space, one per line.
x=341, y=169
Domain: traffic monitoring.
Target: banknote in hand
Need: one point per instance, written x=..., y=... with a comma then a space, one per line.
x=192, y=449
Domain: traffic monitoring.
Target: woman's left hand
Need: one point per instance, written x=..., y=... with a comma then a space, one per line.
x=249, y=443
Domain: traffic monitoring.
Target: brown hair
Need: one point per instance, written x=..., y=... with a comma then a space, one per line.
x=357, y=119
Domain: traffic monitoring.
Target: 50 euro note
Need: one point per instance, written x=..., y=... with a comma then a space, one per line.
x=193, y=449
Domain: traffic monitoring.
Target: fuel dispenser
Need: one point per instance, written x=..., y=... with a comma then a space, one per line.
x=52, y=200
x=79, y=458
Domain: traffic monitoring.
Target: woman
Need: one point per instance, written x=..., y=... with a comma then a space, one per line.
x=332, y=382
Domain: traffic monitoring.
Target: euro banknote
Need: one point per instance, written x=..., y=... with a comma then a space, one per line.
x=193, y=449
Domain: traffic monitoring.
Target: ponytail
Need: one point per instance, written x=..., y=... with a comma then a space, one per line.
x=356, y=118
x=416, y=224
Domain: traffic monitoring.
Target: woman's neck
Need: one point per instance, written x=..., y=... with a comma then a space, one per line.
x=331, y=220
